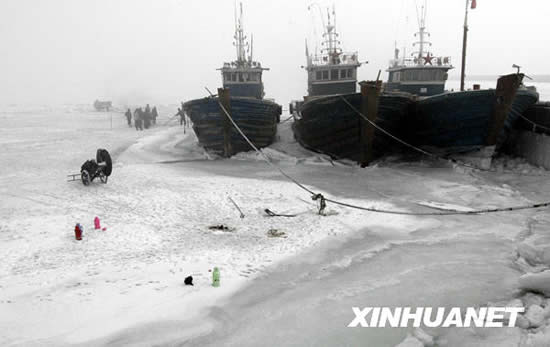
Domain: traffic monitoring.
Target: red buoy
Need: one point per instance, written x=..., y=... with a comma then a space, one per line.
x=78, y=232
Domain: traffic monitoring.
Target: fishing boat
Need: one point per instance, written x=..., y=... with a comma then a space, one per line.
x=455, y=122
x=329, y=125
x=466, y=121
x=458, y=122
x=422, y=73
x=242, y=97
x=328, y=121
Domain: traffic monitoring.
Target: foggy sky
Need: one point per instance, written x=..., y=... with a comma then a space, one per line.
x=166, y=51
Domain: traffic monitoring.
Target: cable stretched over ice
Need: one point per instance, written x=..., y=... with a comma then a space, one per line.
x=259, y=151
x=432, y=155
x=418, y=149
x=323, y=200
x=535, y=125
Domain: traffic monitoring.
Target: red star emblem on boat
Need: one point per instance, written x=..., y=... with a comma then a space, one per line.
x=428, y=59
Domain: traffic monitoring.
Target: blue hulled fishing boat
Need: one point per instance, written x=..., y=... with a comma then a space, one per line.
x=455, y=122
x=470, y=120
x=328, y=121
x=242, y=96
x=329, y=125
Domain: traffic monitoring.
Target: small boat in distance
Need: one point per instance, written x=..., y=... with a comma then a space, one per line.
x=422, y=73
x=328, y=121
x=103, y=105
x=243, y=97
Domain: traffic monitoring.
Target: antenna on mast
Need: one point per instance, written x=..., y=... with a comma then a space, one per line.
x=251, y=47
x=422, y=33
x=239, y=35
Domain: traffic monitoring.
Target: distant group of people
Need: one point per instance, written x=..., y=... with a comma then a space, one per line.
x=143, y=118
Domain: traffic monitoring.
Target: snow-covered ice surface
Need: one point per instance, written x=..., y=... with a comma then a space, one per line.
x=124, y=285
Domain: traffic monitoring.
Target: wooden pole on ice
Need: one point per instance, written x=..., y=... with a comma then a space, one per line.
x=507, y=87
x=464, y=41
x=370, y=92
x=224, y=96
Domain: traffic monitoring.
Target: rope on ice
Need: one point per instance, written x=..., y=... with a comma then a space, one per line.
x=323, y=200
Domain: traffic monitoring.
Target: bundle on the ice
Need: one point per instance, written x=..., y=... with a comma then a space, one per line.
x=101, y=167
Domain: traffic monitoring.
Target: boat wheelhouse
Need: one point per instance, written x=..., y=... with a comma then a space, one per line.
x=243, y=76
x=243, y=79
x=332, y=71
x=422, y=73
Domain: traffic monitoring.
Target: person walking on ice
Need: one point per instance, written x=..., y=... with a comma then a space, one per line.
x=128, y=115
x=137, y=119
x=183, y=120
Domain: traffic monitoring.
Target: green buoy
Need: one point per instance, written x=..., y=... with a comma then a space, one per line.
x=216, y=277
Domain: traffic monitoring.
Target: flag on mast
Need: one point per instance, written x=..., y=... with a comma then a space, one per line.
x=474, y=4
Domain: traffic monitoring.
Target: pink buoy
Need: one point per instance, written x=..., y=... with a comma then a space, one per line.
x=96, y=223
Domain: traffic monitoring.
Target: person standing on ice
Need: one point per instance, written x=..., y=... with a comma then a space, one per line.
x=155, y=114
x=147, y=117
x=182, y=117
x=137, y=119
x=128, y=115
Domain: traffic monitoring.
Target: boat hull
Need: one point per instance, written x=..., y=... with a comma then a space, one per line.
x=460, y=121
x=255, y=117
x=330, y=126
x=538, y=114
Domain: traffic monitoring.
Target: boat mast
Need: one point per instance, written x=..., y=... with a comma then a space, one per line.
x=464, y=40
x=250, y=57
x=422, y=33
x=239, y=36
x=331, y=37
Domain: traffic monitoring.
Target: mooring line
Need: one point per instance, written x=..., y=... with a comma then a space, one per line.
x=418, y=149
x=323, y=200
x=535, y=125
x=432, y=155
x=257, y=150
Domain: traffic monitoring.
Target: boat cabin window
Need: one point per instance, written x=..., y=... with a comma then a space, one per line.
x=242, y=77
x=325, y=75
x=395, y=76
x=253, y=77
x=424, y=75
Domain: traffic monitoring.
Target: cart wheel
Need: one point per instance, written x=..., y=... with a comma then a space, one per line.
x=103, y=178
x=85, y=176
